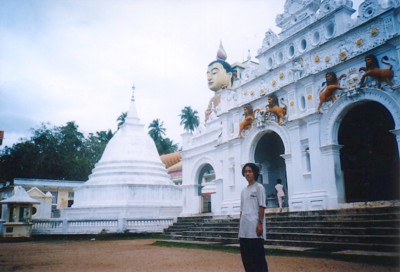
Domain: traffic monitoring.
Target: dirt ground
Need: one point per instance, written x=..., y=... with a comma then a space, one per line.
x=141, y=255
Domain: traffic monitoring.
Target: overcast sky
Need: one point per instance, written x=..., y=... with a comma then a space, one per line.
x=77, y=60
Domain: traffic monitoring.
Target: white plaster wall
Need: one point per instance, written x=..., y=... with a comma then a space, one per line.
x=323, y=186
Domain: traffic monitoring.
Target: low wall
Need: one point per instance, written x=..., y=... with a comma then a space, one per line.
x=97, y=226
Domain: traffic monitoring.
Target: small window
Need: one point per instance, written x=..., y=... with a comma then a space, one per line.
x=280, y=57
x=330, y=29
x=269, y=63
x=23, y=214
x=291, y=50
x=316, y=38
x=11, y=213
x=303, y=44
x=308, y=161
x=302, y=102
x=55, y=197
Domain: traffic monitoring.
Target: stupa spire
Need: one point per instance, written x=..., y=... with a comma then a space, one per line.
x=133, y=92
x=132, y=116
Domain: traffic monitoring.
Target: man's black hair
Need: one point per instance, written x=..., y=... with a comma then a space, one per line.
x=254, y=168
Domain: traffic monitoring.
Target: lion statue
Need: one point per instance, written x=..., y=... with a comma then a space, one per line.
x=246, y=124
x=332, y=85
x=372, y=70
x=273, y=107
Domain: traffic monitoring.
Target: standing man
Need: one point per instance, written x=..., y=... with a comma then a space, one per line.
x=252, y=231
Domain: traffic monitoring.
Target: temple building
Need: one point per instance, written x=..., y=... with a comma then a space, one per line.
x=320, y=110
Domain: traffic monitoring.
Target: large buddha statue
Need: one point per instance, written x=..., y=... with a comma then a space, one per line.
x=219, y=76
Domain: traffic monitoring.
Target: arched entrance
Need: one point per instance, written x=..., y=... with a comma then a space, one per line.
x=268, y=154
x=206, y=175
x=369, y=157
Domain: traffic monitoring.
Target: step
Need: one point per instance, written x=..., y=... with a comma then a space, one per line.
x=326, y=245
x=337, y=223
x=337, y=230
x=361, y=230
x=357, y=217
x=206, y=239
x=378, y=239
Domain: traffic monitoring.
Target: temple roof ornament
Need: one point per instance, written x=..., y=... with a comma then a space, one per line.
x=20, y=196
x=295, y=11
x=221, y=53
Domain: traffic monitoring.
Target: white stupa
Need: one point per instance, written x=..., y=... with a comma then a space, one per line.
x=129, y=181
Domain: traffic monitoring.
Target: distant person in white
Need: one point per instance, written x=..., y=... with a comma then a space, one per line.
x=280, y=193
x=252, y=231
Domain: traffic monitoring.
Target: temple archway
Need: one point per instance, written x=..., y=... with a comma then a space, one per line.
x=206, y=175
x=369, y=157
x=267, y=154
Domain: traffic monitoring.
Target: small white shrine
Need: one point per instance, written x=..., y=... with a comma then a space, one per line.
x=18, y=214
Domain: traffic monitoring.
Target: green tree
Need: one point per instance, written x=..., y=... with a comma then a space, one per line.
x=54, y=153
x=157, y=130
x=95, y=145
x=189, y=119
x=157, y=133
x=167, y=146
x=121, y=119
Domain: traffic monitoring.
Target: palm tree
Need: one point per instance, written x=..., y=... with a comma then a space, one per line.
x=121, y=119
x=167, y=146
x=157, y=130
x=189, y=119
x=157, y=133
x=104, y=136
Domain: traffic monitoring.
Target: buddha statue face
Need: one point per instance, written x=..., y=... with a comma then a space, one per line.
x=218, y=77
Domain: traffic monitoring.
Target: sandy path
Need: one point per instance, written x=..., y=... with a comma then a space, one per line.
x=140, y=255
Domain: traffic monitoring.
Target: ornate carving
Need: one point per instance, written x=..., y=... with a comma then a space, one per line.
x=373, y=71
x=246, y=124
x=274, y=109
x=329, y=92
x=270, y=39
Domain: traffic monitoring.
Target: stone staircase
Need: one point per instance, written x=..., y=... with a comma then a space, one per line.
x=366, y=229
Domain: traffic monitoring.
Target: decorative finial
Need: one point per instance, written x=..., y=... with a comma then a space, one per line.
x=133, y=92
x=248, y=55
x=221, y=54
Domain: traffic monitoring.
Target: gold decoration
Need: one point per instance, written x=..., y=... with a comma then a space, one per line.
x=251, y=92
x=309, y=97
x=343, y=56
x=359, y=42
x=281, y=75
x=291, y=103
x=373, y=31
x=262, y=92
x=316, y=59
x=327, y=59
x=244, y=92
x=273, y=82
